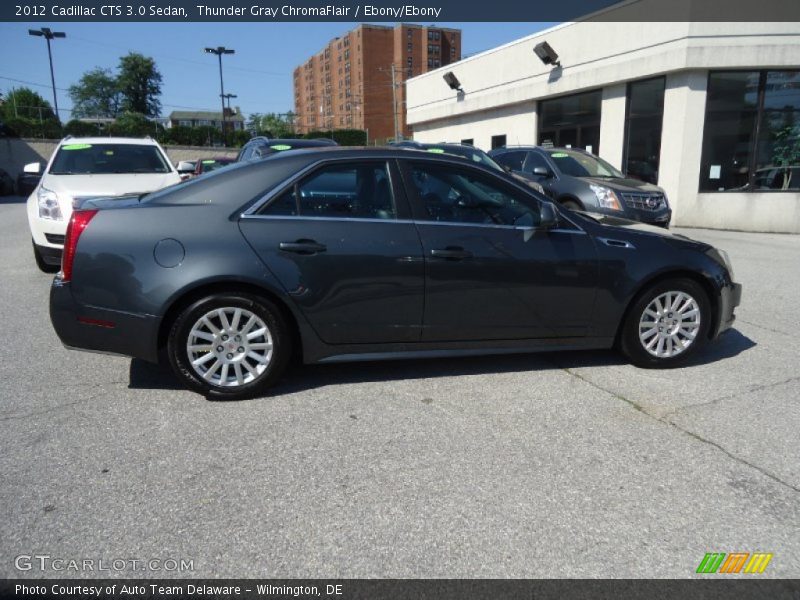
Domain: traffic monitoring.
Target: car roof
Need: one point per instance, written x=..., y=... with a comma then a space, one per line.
x=530, y=147
x=355, y=152
x=109, y=140
x=295, y=142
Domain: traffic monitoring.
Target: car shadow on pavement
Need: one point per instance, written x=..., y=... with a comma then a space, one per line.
x=299, y=378
x=13, y=199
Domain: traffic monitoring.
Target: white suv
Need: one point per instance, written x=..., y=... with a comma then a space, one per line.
x=85, y=168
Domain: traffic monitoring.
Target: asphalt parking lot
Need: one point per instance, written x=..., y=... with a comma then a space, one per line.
x=550, y=465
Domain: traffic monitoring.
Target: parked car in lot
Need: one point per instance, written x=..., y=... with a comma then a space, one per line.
x=344, y=254
x=470, y=153
x=260, y=146
x=579, y=180
x=84, y=168
x=206, y=165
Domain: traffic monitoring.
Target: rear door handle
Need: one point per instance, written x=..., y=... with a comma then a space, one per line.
x=303, y=247
x=451, y=253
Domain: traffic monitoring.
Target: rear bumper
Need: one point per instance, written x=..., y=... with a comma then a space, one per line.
x=100, y=330
x=729, y=298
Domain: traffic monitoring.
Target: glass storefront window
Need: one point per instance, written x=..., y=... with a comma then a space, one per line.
x=571, y=121
x=751, y=139
x=643, y=123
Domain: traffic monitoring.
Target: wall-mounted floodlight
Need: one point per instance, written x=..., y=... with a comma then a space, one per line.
x=546, y=54
x=452, y=81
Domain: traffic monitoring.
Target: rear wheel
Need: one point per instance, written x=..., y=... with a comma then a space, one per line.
x=229, y=346
x=44, y=267
x=667, y=324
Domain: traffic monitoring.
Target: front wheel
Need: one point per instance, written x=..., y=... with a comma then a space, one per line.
x=570, y=205
x=667, y=324
x=229, y=347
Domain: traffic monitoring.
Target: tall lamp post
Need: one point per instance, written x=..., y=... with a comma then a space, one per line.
x=228, y=98
x=48, y=35
x=219, y=51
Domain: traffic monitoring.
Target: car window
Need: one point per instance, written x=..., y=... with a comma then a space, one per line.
x=346, y=191
x=104, y=159
x=458, y=196
x=247, y=153
x=535, y=160
x=512, y=160
x=580, y=164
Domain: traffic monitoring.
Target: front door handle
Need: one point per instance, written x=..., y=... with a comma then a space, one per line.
x=303, y=247
x=451, y=253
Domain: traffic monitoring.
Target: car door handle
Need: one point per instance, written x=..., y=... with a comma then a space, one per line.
x=303, y=247
x=451, y=253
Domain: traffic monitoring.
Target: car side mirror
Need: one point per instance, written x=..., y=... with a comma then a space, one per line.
x=548, y=216
x=542, y=172
x=33, y=168
x=185, y=167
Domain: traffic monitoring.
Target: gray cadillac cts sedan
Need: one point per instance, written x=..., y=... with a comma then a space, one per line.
x=343, y=254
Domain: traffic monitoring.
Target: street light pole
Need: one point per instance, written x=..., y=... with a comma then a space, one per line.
x=48, y=35
x=219, y=51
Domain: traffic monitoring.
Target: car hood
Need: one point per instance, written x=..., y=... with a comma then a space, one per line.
x=120, y=184
x=624, y=185
x=610, y=222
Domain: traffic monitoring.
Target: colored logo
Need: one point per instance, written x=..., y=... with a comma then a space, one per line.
x=735, y=562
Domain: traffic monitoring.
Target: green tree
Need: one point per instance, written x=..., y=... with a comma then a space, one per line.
x=97, y=94
x=24, y=103
x=130, y=124
x=275, y=125
x=140, y=85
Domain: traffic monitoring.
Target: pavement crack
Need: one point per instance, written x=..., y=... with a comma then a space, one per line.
x=755, y=388
x=739, y=320
x=687, y=432
x=52, y=409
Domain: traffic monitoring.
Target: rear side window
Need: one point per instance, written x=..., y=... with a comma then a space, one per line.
x=357, y=191
x=535, y=160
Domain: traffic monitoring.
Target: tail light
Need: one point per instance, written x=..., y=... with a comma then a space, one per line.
x=77, y=224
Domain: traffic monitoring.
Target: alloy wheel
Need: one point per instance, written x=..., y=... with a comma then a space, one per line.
x=669, y=324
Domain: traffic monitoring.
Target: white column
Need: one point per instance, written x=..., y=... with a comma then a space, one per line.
x=612, y=124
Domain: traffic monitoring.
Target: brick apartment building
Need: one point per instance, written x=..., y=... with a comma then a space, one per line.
x=348, y=85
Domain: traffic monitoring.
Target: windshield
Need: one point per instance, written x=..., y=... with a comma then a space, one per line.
x=104, y=159
x=473, y=154
x=213, y=164
x=580, y=164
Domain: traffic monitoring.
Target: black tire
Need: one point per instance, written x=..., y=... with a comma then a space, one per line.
x=40, y=262
x=570, y=205
x=634, y=349
x=270, y=314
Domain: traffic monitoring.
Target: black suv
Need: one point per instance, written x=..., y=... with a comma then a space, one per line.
x=260, y=146
x=579, y=180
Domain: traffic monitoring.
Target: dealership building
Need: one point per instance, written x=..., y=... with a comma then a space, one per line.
x=709, y=111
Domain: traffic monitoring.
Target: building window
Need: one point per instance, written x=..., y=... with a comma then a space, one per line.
x=468, y=142
x=498, y=141
x=751, y=140
x=571, y=121
x=644, y=116
x=409, y=46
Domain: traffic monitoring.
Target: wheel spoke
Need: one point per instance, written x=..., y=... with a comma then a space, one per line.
x=237, y=369
x=202, y=335
x=211, y=327
x=202, y=360
x=201, y=348
x=648, y=333
x=223, y=375
x=223, y=319
x=261, y=346
x=256, y=333
x=237, y=316
x=208, y=375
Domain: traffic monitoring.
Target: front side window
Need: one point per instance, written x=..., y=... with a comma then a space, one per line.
x=513, y=160
x=751, y=139
x=108, y=159
x=361, y=191
x=458, y=196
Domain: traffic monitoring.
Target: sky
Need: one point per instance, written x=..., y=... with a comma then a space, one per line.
x=260, y=73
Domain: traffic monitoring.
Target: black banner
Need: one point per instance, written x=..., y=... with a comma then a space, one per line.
x=397, y=10
x=376, y=589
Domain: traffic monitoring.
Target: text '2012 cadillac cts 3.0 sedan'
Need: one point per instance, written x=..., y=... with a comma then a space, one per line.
x=352, y=254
